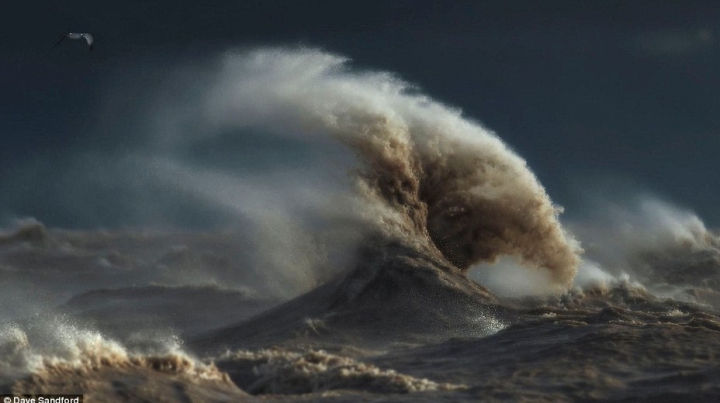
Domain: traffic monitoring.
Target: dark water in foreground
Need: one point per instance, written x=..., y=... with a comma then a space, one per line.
x=112, y=316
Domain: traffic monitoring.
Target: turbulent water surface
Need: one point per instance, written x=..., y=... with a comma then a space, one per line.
x=439, y=270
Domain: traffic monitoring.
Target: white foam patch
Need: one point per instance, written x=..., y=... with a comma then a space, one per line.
x=591, y=273
x=509, y=278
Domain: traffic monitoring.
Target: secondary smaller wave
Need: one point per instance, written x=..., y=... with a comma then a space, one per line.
x=55, y=349
x=666, y=248
x=279, y=371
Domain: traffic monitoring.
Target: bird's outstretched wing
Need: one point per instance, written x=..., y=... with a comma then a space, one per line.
x=89, y=39
x=61, y=39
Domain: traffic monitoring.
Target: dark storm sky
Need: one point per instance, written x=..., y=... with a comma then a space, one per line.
x=587, y=91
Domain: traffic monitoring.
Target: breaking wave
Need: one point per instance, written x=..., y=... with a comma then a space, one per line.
x=653, y=241
x=55, y=349
x=428, y=175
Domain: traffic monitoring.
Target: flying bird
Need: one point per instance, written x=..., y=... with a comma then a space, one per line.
x=72, y=35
